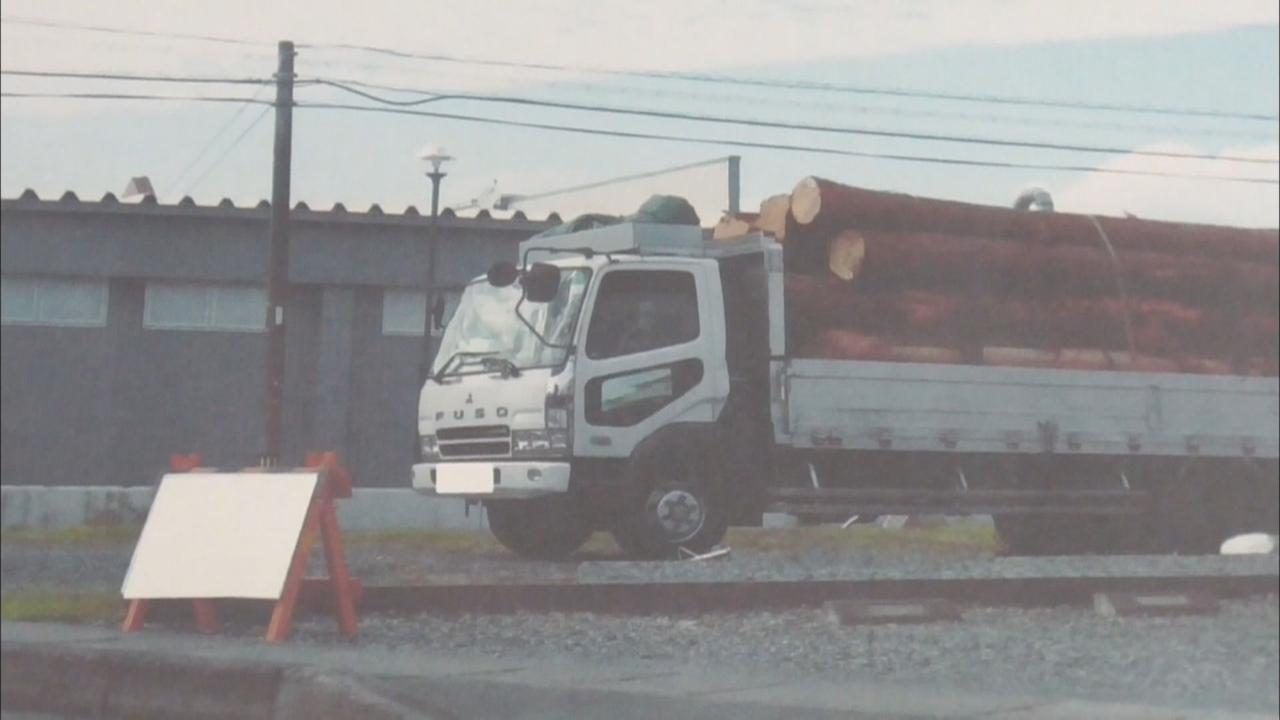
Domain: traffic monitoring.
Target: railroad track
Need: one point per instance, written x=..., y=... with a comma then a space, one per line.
x=662, y=598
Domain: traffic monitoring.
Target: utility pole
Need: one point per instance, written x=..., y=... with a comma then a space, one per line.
x=735, y=183
x=278, y=268
x=433, y=159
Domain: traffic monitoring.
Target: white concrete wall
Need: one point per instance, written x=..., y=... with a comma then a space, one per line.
x=33, y=506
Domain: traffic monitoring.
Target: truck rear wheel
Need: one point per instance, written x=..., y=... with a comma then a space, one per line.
x=678, y=502
x=545, y=528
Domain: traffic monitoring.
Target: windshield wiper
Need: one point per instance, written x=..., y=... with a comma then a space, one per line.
x=505, y=366
x=444, y=369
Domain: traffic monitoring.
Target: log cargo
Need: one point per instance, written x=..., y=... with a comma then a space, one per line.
x=1158, y=327
x=823, y=203
x=883, y=276
x=879, y=261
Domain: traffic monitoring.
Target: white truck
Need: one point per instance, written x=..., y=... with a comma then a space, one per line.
x=636, y=379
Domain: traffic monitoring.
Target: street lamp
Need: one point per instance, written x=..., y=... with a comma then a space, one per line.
x=432, y=159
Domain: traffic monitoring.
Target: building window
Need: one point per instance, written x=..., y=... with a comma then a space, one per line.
x=180, y=306
x=54, y=301
x=404, y=312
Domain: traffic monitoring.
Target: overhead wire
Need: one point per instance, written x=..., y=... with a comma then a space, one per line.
x=227, y=151
x=132, y=96
x=784, y=146
x=195, y=160
x=666, y=137
x=775, y=125
x=186, y=79
x=710, y=78
x=115, y=30
x=805, y=85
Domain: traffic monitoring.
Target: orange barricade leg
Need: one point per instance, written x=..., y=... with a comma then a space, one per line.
x=206, y=616
x=336, y=560
x=135, y=616
x=282, y=616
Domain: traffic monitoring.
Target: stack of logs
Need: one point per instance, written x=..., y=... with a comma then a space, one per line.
x=883, y=276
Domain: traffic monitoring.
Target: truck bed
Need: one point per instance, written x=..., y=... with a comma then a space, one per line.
x=857, y=405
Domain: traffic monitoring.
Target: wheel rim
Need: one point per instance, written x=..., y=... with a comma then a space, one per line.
x=679, y=514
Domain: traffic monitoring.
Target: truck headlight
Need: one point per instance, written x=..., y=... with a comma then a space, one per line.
x=430, y=449
x=559, y=409
x=557, y=418
x=535, y=443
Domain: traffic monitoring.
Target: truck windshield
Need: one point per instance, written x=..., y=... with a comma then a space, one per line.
x=485, y=326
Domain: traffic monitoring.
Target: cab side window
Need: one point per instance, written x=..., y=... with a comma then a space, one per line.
x=640, y=310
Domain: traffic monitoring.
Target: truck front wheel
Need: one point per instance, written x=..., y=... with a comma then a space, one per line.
x=545, y=528
x=678, y=502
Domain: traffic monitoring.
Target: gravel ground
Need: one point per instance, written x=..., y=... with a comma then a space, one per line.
x=447, y=558
x=1227, y=661
x=882, y=565
x=404, y=561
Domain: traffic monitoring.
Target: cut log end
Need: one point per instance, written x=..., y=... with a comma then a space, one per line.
x=845, y=255
x=806, y=200
x=773, y=216
x=734, y=226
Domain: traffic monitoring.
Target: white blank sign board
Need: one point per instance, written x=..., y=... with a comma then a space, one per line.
x=220, y=535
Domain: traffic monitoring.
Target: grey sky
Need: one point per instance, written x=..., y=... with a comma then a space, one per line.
x=1182, y=54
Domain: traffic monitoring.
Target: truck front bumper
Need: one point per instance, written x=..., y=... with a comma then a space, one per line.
x=511, y=480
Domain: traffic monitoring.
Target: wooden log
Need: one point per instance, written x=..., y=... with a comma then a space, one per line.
x=1160, y=328
x=734, y=225
x=845, y=254
x=773, y=216
x=829, y=204
x=953, y=263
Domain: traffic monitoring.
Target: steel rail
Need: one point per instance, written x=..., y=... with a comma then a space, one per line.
x=677, y=598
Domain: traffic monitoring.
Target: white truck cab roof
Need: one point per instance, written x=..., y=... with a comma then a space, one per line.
x=640, y=239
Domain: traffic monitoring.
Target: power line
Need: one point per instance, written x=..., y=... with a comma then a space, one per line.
x=673, y=138
x=214, y=139
x=804, y=85
x=678, y=76
x=785, y=147
x=194, y=79
x=64, y=25
x=129, y=96
x=227, y=152
x=693, y=117
x=986, y=118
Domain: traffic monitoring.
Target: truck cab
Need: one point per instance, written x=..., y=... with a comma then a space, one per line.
x=594, y=406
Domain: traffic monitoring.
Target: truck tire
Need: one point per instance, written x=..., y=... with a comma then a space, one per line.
x=545, y=528
x=677, y=501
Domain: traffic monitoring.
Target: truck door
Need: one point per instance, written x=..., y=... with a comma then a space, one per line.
x=653, y=355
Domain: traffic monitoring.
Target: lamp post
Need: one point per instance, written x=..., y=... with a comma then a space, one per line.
x=432, y=158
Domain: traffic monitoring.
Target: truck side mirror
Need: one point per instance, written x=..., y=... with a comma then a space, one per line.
x=541, y=283
x=503, y=273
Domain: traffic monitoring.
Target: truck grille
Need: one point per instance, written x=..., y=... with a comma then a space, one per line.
x=475, y=441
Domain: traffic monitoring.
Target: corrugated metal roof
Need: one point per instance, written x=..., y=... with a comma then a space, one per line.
x=29, y=199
